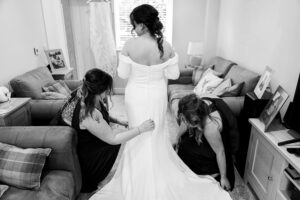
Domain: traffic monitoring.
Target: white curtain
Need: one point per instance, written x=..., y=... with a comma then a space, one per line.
x=102, y=40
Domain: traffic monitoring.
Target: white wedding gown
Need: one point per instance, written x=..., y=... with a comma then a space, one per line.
x=149, y=168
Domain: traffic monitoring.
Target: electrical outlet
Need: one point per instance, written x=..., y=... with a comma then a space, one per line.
x=36, y=51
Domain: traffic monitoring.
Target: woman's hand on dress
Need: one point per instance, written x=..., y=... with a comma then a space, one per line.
x=225, y=183
x=147, y=125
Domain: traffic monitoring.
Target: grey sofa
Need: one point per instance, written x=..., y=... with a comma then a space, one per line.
x=30, y=85
x=61, y=176
x=189, y=78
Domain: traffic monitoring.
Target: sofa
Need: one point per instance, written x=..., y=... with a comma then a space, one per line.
x=188, y=79
x=61, y=175
x=30, y=85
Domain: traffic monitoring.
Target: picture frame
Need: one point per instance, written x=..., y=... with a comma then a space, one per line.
x=263, y=83
x=56, y=60
x=273, y=106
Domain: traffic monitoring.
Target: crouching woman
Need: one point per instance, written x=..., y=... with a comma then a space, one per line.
x=98, y=145
x=204, y=146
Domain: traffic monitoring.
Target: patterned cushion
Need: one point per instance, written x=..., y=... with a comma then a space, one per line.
x=59, y=86
x=22, y=167
x=3, y=189
x=207, y=83
x=222, y=88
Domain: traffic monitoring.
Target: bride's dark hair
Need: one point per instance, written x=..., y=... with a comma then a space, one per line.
x=148, y=15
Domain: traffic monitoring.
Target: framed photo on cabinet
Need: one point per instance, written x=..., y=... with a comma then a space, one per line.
x=263, y=83
x=273, y=106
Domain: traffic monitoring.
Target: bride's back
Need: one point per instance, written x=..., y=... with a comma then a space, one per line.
x=144, y=50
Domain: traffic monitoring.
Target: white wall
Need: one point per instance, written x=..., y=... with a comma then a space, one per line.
x=21, y=29
x=55, y=27
x=188, y=25
x=257, y=33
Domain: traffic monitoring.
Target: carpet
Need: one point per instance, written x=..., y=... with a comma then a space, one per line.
x=117, y=109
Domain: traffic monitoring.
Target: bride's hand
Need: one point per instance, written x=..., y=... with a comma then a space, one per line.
x=147, y=125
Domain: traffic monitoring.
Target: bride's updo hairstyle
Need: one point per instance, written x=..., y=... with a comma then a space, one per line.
x=148, y=15
x=95, y=82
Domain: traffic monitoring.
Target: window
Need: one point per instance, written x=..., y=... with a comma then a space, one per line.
x=123, y=8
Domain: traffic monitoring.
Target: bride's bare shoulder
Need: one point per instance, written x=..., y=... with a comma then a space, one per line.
x=128, y=46
x=168, y=50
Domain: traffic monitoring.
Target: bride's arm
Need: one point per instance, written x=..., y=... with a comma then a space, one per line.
x=99, y=127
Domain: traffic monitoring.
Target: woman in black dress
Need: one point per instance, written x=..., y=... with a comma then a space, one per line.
x=98, y=145
x=205, y=146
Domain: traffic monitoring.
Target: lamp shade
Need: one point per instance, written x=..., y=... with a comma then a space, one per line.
x=195, y=48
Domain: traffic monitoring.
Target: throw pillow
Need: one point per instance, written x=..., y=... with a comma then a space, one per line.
x=53, y=95
x=3, y=189
x=59, y=86
x=199, y=73
x=22, y=167
x=233, y=91
x=223, y=87
x=207, y=83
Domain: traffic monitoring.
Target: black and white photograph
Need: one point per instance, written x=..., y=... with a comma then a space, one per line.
x=273, y=107
x=56, y=59
x=147, y=99
x=263, y=83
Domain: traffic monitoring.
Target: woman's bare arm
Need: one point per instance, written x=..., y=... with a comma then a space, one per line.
x=213, y=137
x=99, y=127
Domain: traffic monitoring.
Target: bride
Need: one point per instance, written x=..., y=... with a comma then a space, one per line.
x=149, y=168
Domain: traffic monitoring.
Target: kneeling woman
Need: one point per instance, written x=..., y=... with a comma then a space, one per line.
x=205, y=147
x=98, y=145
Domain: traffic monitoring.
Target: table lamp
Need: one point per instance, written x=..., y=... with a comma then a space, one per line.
x=195, y=52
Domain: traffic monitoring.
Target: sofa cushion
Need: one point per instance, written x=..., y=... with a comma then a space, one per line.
x=53, y=95
x=239, y=74
x=30, y=84
x=220, y=65
x=175, y=88
x=222, y=87
x=208, y=82
x=56, y=184
x=22, y=167
x=59, y=87
x=3, y=189
x=233, y=91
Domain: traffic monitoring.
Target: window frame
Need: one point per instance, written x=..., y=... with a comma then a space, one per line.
x=168, y=25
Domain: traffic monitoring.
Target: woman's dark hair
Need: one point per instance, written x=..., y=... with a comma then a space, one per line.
x=95, y=82
x=195, y=111
x=148, y=15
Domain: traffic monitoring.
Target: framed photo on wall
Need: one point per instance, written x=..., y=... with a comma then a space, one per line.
x=56, y=59
x=263, y=82
x=273, y=107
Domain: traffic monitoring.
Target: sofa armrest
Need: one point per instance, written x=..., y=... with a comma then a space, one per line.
x=61, y=139
x=73, y=84
x=235, y=104
x=43, y=111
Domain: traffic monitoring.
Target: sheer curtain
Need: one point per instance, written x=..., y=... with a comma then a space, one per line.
x=102, y=37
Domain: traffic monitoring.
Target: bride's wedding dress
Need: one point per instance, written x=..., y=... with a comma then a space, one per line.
x=149, y=168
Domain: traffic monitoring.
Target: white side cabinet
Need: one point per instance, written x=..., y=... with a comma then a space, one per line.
x=266, y=162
